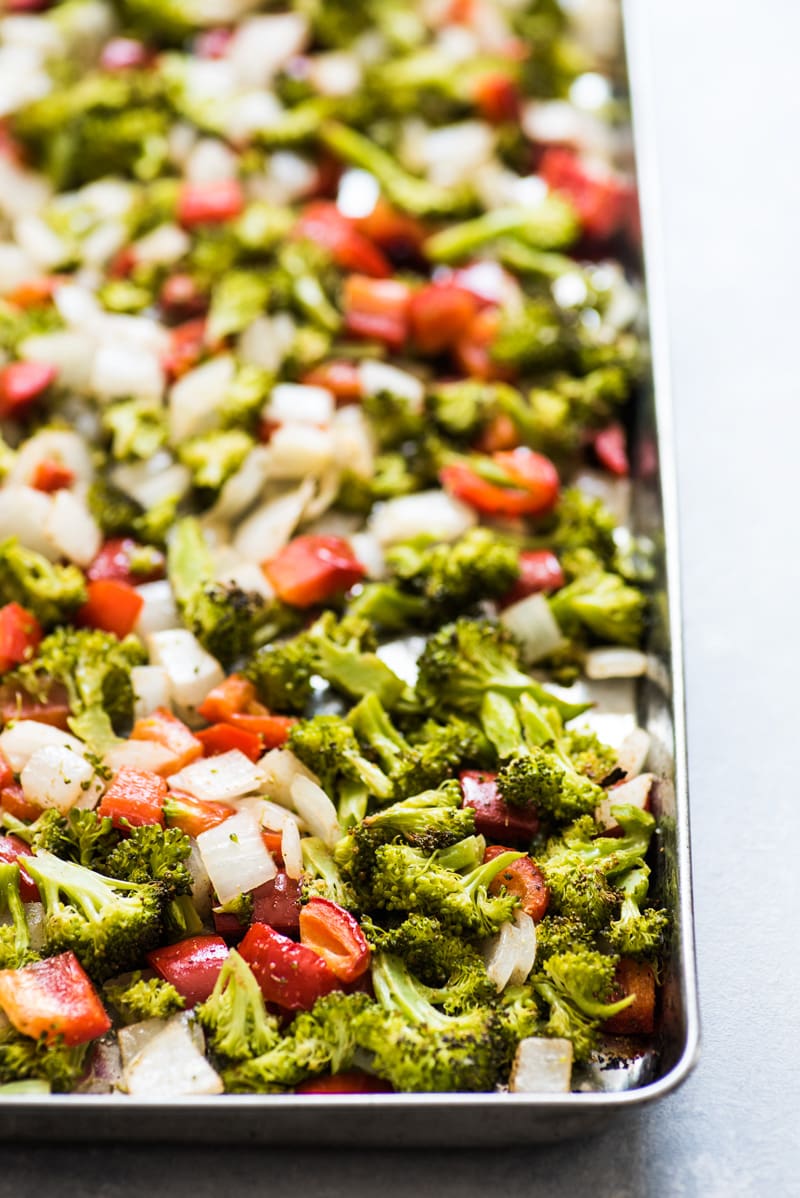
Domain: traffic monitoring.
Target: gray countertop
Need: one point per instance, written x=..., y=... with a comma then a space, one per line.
x=727, y=115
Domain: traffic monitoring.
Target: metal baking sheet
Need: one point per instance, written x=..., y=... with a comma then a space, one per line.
x=612, y=1083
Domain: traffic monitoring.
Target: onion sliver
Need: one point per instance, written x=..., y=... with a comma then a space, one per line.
x=219, y=779
x=313, y=805
x=235, y=856
x=533, y=624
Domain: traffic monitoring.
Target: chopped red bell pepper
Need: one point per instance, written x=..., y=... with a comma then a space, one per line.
x=192, y=815
x=192, y=965
x=20, y=634
x=339, y=376
x=377, y=308
x=500, y=433
x=401, y=236
x=52, y=708
x=539, y=570
x=277, y=903
x=522, y=878
x=14, y=851
x=187, y=345
x=531, y=490
x=637, y=978
x=336, y=936
x=494, y=818
x=351, y=1081
x=439, y=315
x=12, y=800
x=290, y=975
x=112, y=606
x=312, y=569
x=21, y=384
x=166, y=729
x=234, y=694
x=6, y=772
x=213, y=43
x=210, y=203
x=181, y=297
x=34, y=292
x=233, y=702
x=603, y=201
x=273, y=842
x=54, y=999
x=323, y=224
x=473, y=350
x=220, y=738
x=497, y=98
x=114, y=562
x=51, y=475
x=611, y=449
x=273, y=730
x=133, y=798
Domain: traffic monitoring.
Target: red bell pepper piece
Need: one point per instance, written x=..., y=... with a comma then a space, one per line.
x=335, y=935
x=54, y=999
x=166, y=729
x=290, y=975
x=603, y=201
x=312, y=569
x=522, y=878
x=192, y=815
x=20, y=633
x=473, y=350
x=277, y=903
x=133, y=798
x=51, y=475
x=351, y=1081
x=17, y=704
x=539, y=570
x=377, y=308
x=611, y=449
x=532, y=484
x=497, y=98
x=325, y=225
x=112, y=606
x=210, y=203
x=12, y=800
x=273, y=842
x=6, y=772
x=192, y=965
x=213, y=43
x=21, y=384
x=637, y=978
x=439, y=315
x=187, y=344
x=341, y=377
x=494, y=818
x=229, y=697
x=233, y=702
x=220, y=738
x=180, y=296
x=114, y=562
x=273, y=730
x=35, y=292
x=14, y=851
x=401, y=236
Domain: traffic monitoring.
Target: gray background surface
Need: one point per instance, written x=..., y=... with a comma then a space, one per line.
x=727, y=97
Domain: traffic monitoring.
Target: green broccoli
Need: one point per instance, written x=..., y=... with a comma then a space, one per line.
x=454, y=578
x=24, y=1059
x=138, y=428
x=603, y=605
x=80, y=836
x=639, y=931
x=50, y=591
x=137, y=997
x=543, y=779
x=395, y=419
x=580, y=523
x=560, y=934
x=588, y=754
x=577, y=986
x=388, y=607
x=328, y=746
x=150, y=853
x=234, y=1016
x=549, y=225
x=108, y=924
x=322, y=877
x=15, y=939
x=281, y=673
x=429, y=821
x=214, y=457
x=342, y=655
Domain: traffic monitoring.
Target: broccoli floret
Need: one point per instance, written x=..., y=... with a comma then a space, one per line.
x=50, y=591
x=549, y=225
x=581, y=522
x=15, y=939
x=392, y=475
x=328, y=746
x=22, y=1059
x=108, y=924
x=580, y=867
x=394, y=418
x=151, y=853
x=542, y=779
x=322, y=877
x=213, y=457
x=639, y=931
x=95, y=667
x=576, y=985
x=81, y=836
x=405, y=879
x=319, y=1041
x=603, y=605
x=452, y=972
x=223, y=618
x=137, y=997
x=388, y=607
x=138, y=429
x=453, y=578
x=237, y=299
x=559, y=414
x=429, y=821
x=561, y=934
x=342, y=655
x=234, y=1016
x=588, y=754
x=281, y=673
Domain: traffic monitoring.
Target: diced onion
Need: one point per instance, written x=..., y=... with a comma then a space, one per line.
x=202, y=890
x=16, y=267
x=59, y=777
x=171, y=1065
x=163, y=246
x=195, y=400
x=150, y=690
x=367, y=548
x=69, y=350
x=220, y=778
x=235, y=856
x=434, y=513
x=532, y=622
x=542, y=1065
x=209, y=161
x=159, y=612
x=510, y=954
x=24, y=513
x=135, y=1038
x=632, y=753
x=242, y=489
x=20, y=740
x=299, y=451
x=615, y=662
x=635, y=793
x=335, y=74
x=267, y=340
x=247, y=576
x=269, y=527
x=192, y=671
x=313, y=805
x=140, y=755
x=280, y=768
x=291, y=851
x=296, y=403
x=72, y=530
x=61, y=445
x=153, y=482
x=264, y=44
x=378, y=378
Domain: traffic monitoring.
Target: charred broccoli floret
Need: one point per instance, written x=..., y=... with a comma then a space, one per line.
x=22, y=1059
x=544, y=780
x=322, y=877
x=328, y=746
x=639, y=931
x=151, y=853
x=561, y=934
x=577, y=986
x=429, y=821
x=81, y=836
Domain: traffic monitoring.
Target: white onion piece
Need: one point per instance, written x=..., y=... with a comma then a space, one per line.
x=121, y=369
x=511, y=953
x=163, y=246
x=209, y=161
x=34, y=915
x=378, y=378
x=21, y=739
x=195, y=400
x=202, y=890
x=170, y=1065
x=269, y=527
x=615, y=662
x=614, y=492
x=235, y=856
x=288, y=178
x=21, y=191
x=635, y=793
x=354, y=440
x=72, y=530
x=300, y=404
x=59, y=777
x=327, y=488
x=192, y=671
x=267, y=341
x=150, y=690
x=242, y=489
x=291, y=850
x=134, y=1038
x=300, y=451
x=542, y=1065
x=264, y=44
x=434, y=513
x=453, y=154
x=247, y=576
x=150, y=483
x=273, y=816
x=16, y=267
x=368, y=550
x=313, y=805
x=140, y=755
x=24, y=513
x=69, y=350
x=220, y=778
x=335, y=73
x=40, y=242
x=532, y=622
x=280, y=768
x=159, y=612
x=632, y=753
x=61, y=445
